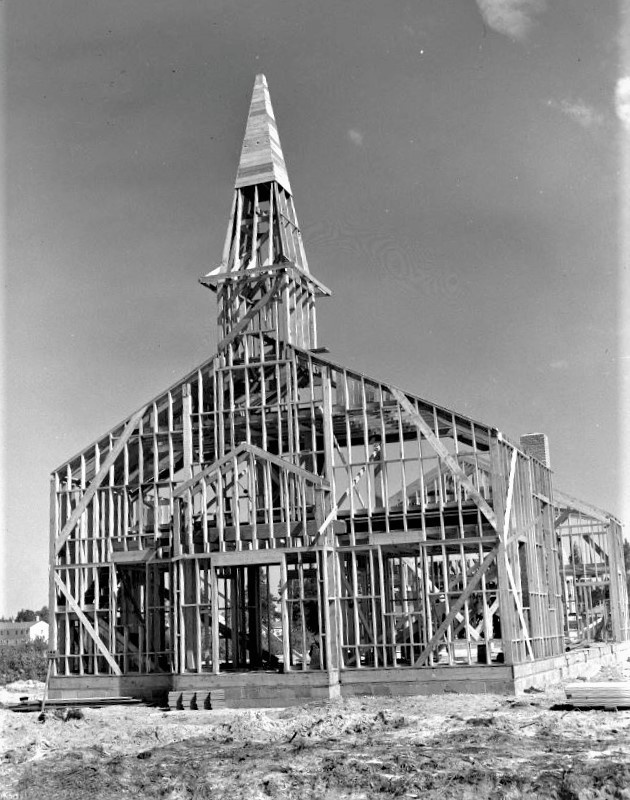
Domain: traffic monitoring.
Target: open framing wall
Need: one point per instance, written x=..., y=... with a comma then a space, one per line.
x=593, y=572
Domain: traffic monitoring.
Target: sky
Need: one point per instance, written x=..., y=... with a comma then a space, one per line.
x=458, y=170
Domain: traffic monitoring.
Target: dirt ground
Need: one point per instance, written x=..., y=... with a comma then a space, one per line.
x=443, y=746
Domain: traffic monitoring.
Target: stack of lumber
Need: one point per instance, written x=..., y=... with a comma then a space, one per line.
x=607, y=694
x=75, y=702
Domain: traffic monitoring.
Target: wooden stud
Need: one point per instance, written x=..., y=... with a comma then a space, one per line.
x=90, y=492
x=87, y=625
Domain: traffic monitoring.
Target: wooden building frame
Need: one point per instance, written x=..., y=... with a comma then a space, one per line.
x=278, y=514
x=593, y=572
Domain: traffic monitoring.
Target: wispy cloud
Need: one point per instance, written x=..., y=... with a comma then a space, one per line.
x=355, y=136
x=622, y=101
x=583, y=114
x=511, y=17
x=561, y=364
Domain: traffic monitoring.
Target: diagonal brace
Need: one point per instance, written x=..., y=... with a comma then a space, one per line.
x=446, y=457
x=99, y=478
x=333, y=511
x=87, y=625
x=243, y=323
x=458, y=605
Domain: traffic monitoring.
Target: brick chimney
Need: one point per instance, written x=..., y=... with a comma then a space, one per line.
x=536, y=445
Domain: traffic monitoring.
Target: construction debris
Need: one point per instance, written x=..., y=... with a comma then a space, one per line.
x=438, y=747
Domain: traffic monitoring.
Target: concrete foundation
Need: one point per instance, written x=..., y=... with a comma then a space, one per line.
x=272, y=689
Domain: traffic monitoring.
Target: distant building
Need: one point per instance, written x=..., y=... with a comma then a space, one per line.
x=12, y=633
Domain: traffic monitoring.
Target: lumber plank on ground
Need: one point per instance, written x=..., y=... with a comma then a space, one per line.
x=65, y=702
x=607, y=694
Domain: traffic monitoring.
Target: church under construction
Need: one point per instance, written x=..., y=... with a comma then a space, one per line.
x=276, y=527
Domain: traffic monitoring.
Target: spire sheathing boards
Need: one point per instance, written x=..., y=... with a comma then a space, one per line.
x=263, y=229
x=261, y=159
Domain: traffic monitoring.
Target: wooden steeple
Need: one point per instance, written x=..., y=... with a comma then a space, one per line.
x=264, y=266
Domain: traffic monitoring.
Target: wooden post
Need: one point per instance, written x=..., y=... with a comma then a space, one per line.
x=214, y=594
x=284, y=615
x=506, y=602
x=254, y=631
x=52, y=554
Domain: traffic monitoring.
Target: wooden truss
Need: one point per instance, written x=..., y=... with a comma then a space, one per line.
x=275, y=510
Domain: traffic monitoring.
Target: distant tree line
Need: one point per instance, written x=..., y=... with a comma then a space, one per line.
x=27, y=615
x=23, y=662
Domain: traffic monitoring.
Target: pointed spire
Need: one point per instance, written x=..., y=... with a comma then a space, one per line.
x=261, y=157
x=263, y=230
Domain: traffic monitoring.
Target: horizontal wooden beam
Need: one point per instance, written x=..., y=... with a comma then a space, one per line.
x=132, y=556
x=263, y=530
x=244, y=557
x=414, y=537
x=212, y=279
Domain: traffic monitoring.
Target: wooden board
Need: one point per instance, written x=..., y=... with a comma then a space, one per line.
x=606, y=694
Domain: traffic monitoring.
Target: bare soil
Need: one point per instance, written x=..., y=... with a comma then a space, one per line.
x=443, y=746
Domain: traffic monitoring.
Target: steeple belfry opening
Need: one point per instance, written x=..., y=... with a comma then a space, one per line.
x=263, y=282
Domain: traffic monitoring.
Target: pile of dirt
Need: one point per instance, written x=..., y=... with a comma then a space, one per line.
x=443, y=746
